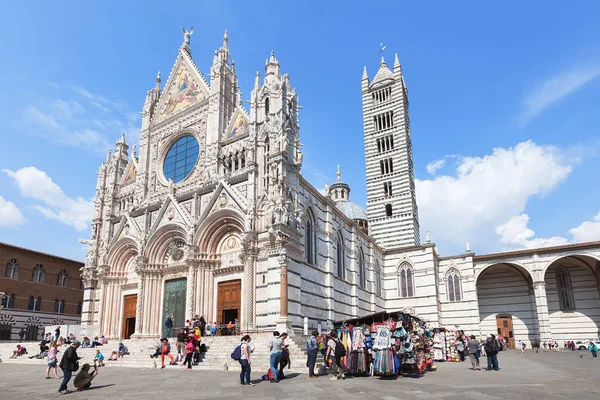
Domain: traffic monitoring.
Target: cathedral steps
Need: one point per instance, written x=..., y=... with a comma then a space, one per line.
x=216, y=358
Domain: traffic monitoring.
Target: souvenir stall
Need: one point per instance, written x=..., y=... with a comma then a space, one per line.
x=386, y=344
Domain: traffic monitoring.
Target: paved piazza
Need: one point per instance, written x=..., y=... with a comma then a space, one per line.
x=529, y=376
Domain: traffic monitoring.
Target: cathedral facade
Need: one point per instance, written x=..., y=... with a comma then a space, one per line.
x=210, y=215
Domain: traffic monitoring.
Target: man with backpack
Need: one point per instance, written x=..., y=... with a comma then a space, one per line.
x=169, y=324
x=492, y=347
x=336, y=350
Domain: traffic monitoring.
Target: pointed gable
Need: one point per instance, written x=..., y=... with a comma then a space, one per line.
x=130, y=171
x=186, y=86
x=383, y=76
x=238, y=126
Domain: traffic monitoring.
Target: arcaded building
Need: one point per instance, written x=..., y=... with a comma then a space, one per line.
x=210, y=214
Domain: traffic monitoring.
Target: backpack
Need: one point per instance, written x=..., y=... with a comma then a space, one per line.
x=236, y=354
x=340, y=350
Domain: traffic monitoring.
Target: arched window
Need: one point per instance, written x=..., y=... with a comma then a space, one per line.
x=34, y=303
x=341, y=257
x=405, y=280
x=56, y=306
x=453, y=285
x=266, y=106
x=12, y=269
x=8, y=301
x=62, y=278
x=38, y=274
x=362, y=273
x=377, y=279
x=310, y=238
x=564, y=289
x=80, y=307
x=62, y=307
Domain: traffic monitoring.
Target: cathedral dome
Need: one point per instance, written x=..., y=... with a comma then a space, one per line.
x=351, y=210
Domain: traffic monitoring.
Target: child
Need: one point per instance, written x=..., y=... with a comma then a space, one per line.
x=98, y=359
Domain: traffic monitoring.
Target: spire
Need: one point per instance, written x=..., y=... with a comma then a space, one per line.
x=397, y=66
x=108, y=155
x=382, y=64
x=365, y=75
x=225, y=40
x=257, y=80
x=122, y=139
x=158, y=80
x=339, y=174
x=272, y=65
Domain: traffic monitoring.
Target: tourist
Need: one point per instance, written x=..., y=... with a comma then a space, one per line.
x=460, y=348
x=61, y=341
x=21, y=335
x=57, y=333
x=68, y=364
x=274, y=344
x=482, y=348
x=520, y=346
x=103, y=340
x=52, y=363
x=545, y=346
x=83, y=380
x=96, y=342
x=208, y=329
x=122, y=350
x=169, y=324
x=86, y=342
x=165, y=350
x=181, y=343
x=213, y=330
x=246, y=361
x=189, y=352
x=593, y=349
x=98, y=359
x=230, y=327
x=311, y=353
x=473, y=348
x=48, y=338
x=492, y=347
x=18, y=352
x=71, y=338
x=202, y=325
x=285, y=356
x=334, y=350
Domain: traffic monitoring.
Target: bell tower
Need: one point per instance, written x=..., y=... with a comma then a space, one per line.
x=391, y=198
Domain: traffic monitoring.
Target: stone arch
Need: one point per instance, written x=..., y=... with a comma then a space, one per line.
x=505, y=290
x=572, y=285
x=161, y=239
x=520, y=267
x=6, y=319
x=120, y=254
x=216, y=226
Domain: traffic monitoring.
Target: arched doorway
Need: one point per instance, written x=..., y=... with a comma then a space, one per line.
x=507, y=303
x=572, y=291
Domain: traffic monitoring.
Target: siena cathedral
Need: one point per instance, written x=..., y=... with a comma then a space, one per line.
x=210, y=215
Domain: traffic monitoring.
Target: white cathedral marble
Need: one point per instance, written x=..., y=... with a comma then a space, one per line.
x=251, y=238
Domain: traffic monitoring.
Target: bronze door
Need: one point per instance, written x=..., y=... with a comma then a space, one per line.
x=229, y=300
x=129, y=308
x=505, y=329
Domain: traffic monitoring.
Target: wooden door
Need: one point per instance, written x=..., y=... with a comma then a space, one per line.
x=229, y=300
x=129, y=308
x=505, y=329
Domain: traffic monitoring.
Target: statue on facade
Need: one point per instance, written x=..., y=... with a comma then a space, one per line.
x=186, y=35
x=427, y=237
x=468, y=246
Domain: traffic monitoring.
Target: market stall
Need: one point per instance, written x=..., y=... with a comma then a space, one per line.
x=386, y=344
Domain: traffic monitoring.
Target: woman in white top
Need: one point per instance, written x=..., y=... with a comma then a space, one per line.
x=245, y=361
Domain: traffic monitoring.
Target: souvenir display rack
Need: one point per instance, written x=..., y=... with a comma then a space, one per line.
x=386, y=344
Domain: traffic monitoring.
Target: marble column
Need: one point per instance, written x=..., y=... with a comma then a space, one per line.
x=249, y=285
x=283, y=324
x=541, y=304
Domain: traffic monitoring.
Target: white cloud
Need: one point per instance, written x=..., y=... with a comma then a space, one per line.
x=433, y=166
x=485, y=192
x=554, y=89
x=516, y=232
x=10, y=215
x=588, y=231
x=35, y=184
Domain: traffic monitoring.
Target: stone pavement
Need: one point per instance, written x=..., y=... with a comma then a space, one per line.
x=522, y=376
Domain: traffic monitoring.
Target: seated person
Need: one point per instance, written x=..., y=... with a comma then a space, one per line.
x=103, y=340
x=83, y=380
x=98, y=359
x=96, y=342
x=86, y=342
x=119, y=353
x=18, y=352
x=71, y=339
x=158, y=349
x=60, y=341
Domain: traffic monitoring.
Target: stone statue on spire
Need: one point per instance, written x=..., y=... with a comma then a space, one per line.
x=186, y=35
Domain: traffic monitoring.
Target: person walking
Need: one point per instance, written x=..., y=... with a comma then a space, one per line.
x=169, y=324
x=285, y=356
x=311, y=353
x=69, y=364
x=52, y=362
x=492, y=347
x=22, y=335
x=336, y=350
x=202, y=325
x=181, y=343
x=189, y=353
x=57, y=333
x=274, y=344
x=473, y=348
x=593, y=349
x=246, y=361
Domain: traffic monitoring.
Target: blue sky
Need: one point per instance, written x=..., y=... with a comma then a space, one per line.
x=503, y=103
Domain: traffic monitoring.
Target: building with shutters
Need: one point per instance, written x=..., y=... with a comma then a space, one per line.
x=39, y=290
x=210, y=214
